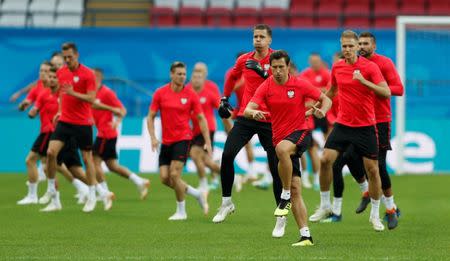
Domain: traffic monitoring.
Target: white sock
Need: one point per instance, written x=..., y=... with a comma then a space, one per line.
x=286, y=194
x=91, y=191
x=325, y=202
x=181, y=207
x=337, y=206
x=226, y=201
x=135, y=179
x=305, y=173
x=100, y=190
x=316, y=178
x=389, y=203
x=193, y=191
x=51, y=185
x=41, y=172
x=203, y=182
x=375, y=211
x=364, y=186
x=32, y=189
x=78, y=184
x=304, y=232
x=104, y=185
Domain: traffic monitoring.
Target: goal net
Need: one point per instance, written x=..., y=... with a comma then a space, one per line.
x=423, y=62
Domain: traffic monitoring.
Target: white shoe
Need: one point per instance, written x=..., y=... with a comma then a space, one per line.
x=376, y=224
x=90, y=204
x=178, y=216
x=82, y=197
x=108, y=200
x=320, y=214
x=224, y=211
x=238, y=180
x=143, y=188
x=280, y=225
x=28, y=200
x=46, y=198
x=203, y=201
x=306, y=183
x=55, y=204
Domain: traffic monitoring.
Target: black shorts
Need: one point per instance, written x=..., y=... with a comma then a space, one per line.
x=200, y=141
x=321, y=124
x=302, y=139
x=40, y=145
x=384, y=135
x=175, y=151
x=81, y=133
x=105, y=148
x=364, y=140
x=69, y=154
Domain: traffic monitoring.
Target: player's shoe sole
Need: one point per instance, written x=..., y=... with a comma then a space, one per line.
x=304, y=241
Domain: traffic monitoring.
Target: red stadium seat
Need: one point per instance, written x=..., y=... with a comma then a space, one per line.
x=329, y=21
x=190, y=16
x=303, y=5
x=359, y=22
x=328, y=7
x=385, y=22
x=412, y=7
x=300, y=20
x=219, y=17
x=360, y=7
x=162, y=16
x=438, y=7
x=385, y=7
x=275, y=17
x=245, y=17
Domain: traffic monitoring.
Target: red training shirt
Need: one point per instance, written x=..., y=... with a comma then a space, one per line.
x=356, y=101
x=320, y=79
x=286, y=104
x=74, y=110
x=47, y=103
x=103, y=118
x=383, y=105
x=176, y=109
x=209, y=98
x=251, y=80
x=35, y=91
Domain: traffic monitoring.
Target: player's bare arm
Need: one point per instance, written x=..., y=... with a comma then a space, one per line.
x=151, y=129
x=325, y=106
x=25, y=89
x=381, y=90
x=88, y=97
x=205, y=132
x=117, y=111
x=252, y=112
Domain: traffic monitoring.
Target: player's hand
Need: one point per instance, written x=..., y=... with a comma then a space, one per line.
x=68, y=89
x=117, y=112
x=155, y=145
x=225, y=108
x=255, y=66
x=318, y=112
x=32, y=113
x=309, y=112
x=56, y=118
x=115, y=125
x=14, y=97
x=23, y=105
x=259, y=115
x=358, y=76
x=208, y=148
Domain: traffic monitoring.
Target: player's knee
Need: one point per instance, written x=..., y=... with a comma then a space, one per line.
x=165, y=180
x=325, y=161
x=51, y=153
x=282, y=152
x=372, y=170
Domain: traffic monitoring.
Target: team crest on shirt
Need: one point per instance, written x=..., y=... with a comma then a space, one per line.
x=291, y=94
x=318, y=78
x=266, y=67
x=202, y=100
x=76, y=79
x=183, y=100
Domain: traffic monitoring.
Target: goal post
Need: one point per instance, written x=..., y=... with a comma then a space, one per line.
x=401, y=25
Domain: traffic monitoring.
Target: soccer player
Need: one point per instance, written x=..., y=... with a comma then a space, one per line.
x=105, y=107
x=254, y=66
x=285, y=97
x=358, y=81
x=40, y=145
x=208, y=94
x=176, y=104
x=367, y=45
x=77, y=83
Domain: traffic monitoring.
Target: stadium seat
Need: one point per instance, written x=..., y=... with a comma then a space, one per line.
x=282, y=4
x=18, y=19
x=301, y=20
x=384, y=21
x=70, y=6
x=300, y=7
x=438, y=7
x=190, y=16
x=329, y=13
x=194, y=3
x=42, y=20
x=357, y=7
x=274, y=16
x=412, y=7
x=245, y=17
x=251, y=4
x=69, y=21
x=329, y=21
x=219, y=17
x=43, y=6
x=385, y=8
x=162, y=16
x=357, y=21
x=14, y=6
x=172, y=4
x=227, y=4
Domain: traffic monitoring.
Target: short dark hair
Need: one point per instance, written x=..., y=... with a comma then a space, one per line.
x=349, y=34
x=53, y=69
x=69, y=45
x=56, y=53
x=369, y=35
x=177, y=65
x=45, y=62
x=278, y=55
x=263, y=27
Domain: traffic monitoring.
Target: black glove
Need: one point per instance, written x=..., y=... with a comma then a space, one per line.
x=255, y=66
x=225, y=108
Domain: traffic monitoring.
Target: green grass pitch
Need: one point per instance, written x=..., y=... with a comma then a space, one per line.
x=139, y=230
